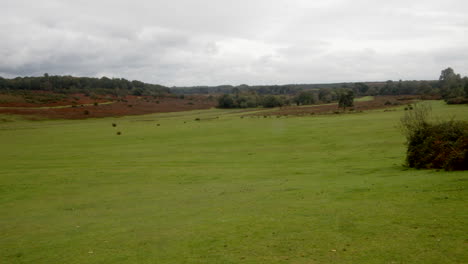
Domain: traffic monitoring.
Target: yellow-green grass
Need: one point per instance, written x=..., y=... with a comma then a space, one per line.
x=364, y=99
x=319, y=189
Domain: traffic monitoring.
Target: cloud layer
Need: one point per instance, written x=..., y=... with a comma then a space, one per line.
x=211, y=42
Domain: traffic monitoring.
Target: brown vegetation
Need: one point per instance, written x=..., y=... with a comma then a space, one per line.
x=379, y=102
x=75, y=106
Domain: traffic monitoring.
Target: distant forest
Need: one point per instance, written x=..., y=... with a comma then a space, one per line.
x=361, y=88
x=87, y=85
x=450, y=86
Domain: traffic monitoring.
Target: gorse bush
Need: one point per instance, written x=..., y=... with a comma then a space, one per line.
x=440, y=146
x=443, y=145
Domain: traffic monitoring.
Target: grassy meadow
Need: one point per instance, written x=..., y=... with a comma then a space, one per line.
x=225, y=189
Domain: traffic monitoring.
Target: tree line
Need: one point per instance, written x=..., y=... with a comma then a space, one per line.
x=70, y=84
x=251, y=99
x=360, y=88
x=451, y=87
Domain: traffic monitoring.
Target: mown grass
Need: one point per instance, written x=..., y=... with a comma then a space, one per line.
x=225, y=189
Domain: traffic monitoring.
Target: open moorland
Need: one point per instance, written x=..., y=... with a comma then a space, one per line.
x=222, y=186
x=362, y=104
x=39, y=104
x=80, y=106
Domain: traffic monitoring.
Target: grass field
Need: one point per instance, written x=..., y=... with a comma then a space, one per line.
x=318, y=189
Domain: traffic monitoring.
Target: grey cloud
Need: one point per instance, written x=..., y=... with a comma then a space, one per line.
x=187, y=42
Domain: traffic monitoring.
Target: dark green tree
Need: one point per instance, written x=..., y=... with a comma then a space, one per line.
x=465, y=79
x=361, y=88
x=271, y=101
x=346, y=98
x=304, y=98
x=226, y=101
x=451, y=84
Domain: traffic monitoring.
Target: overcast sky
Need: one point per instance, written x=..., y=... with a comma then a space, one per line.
x=213, y=42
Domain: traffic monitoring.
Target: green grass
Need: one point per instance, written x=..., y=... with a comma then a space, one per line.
x=364, y=99
x=321, y=189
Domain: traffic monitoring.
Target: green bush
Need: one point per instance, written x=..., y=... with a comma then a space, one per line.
x=457, y=100
x=434, y=146
x=304, y=98
x=226, y=101
x=271, y=101
x=443, y=145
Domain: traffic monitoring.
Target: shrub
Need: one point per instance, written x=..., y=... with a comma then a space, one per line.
x=457, y=100
x=415, y=120
x=271, y=101
x=119, y=133
x=114, y=124
x=304, y=98
x=346, y=99
x=225, y=101
x=86, y=112
x=443, y=145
